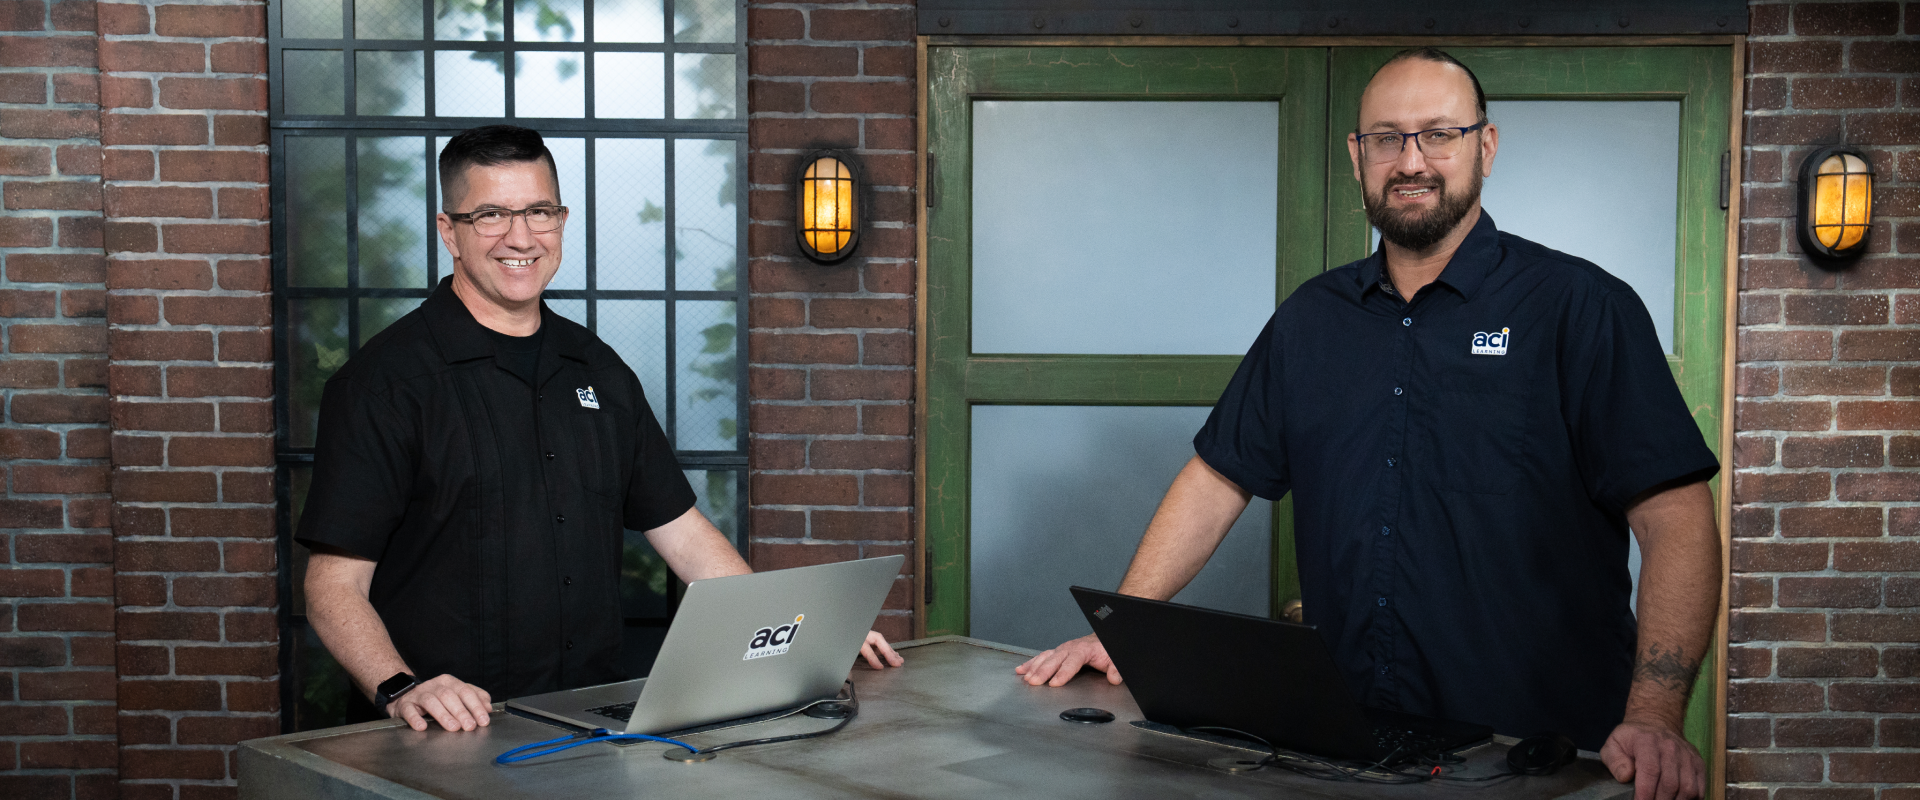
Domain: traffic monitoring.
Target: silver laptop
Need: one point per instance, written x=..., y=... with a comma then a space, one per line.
x=740, y=646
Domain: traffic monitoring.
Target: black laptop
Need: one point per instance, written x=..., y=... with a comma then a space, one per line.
x=1190, y=667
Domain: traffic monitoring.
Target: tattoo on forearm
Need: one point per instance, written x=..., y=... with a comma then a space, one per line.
x=1667, y=668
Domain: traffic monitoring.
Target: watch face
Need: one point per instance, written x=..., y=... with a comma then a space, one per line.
x=394, y=685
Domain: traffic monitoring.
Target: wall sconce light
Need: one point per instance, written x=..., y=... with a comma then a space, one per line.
x=1836, y=203
x=829, y=189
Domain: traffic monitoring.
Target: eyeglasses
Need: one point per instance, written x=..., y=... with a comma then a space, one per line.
x=1433, y=142
x=497, y=221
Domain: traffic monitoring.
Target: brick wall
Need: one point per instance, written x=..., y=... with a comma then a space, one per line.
x=56, y=577
x=1826, y=559
x=830, y=347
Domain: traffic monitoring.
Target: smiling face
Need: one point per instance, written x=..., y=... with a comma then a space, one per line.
x=1416, y=201
x=501, y=277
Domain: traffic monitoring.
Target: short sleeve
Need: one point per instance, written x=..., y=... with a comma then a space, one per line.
x=1245, y=438
x=1631, y=428
x=659, y=493
x=363, y=467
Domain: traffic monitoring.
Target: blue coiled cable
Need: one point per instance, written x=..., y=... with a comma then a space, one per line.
x=525, y=752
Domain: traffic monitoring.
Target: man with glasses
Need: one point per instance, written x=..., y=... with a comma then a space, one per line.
x=475, y=467
x=1468, y=423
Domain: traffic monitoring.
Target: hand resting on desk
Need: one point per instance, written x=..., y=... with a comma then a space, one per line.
x=1057, y=666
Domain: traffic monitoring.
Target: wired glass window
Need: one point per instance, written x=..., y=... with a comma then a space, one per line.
x=642, y=103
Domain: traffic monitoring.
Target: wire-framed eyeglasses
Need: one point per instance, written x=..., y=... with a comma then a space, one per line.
x=497, y=221
x=1433, y=142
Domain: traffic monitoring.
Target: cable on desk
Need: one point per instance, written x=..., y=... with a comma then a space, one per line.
x=551, y=746
x=1377, y=772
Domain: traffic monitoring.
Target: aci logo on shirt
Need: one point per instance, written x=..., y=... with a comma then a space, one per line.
x=587, y=398
x=1491, y=344
x=773, y=641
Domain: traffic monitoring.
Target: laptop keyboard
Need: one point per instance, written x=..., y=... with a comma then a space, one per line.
x=619, y=711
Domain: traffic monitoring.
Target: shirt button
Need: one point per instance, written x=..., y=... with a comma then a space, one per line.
x=1381, y=602
x=559, y=518
x=569, y=644
x=1397, y=391
x=1386, y=530
x=1384, y=669
x=1389, y=462
x=567, y=580
x=1407, y=322
x=550, y=455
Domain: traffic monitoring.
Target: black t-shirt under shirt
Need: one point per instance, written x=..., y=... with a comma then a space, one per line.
x=492, y=483
x=1460, y=466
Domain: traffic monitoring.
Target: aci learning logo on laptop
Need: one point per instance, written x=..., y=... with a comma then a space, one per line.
x=773, y=641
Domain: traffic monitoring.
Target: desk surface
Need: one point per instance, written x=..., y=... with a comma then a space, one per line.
x=955, y=722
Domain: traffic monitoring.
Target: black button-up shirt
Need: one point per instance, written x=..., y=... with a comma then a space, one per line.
x=1460, y=466
x=495, y=508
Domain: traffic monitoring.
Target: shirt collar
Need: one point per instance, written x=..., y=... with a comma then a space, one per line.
x=1476, y=256
x=463, y=338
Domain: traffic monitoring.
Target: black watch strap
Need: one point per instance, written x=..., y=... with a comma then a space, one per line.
x=391, y=688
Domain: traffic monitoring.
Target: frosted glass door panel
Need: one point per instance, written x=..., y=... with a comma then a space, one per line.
x=1123, y=227
x=1060, y=497
x=1597, y=179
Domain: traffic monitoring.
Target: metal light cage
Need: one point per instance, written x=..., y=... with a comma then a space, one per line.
x=829, y=203
x=1836, y=203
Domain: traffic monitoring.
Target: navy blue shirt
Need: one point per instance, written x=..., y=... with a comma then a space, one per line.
x=1460, y=465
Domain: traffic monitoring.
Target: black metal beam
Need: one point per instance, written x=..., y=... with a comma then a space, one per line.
x=1330, y=18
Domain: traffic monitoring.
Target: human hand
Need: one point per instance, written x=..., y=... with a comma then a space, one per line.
x=1657, y=760
x=1057, y=666
x=875, y=648
x=455, y=704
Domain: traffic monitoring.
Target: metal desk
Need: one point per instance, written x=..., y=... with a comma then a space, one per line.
x=955, y=722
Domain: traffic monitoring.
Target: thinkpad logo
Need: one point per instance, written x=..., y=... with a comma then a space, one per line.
x=773, y=641
x=1102, y=612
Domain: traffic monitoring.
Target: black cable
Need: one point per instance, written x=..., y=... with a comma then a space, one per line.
x=1323, y=769
x=852, y=705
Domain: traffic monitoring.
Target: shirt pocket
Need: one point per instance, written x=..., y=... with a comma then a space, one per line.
x=1475, y=440
x=596, y=444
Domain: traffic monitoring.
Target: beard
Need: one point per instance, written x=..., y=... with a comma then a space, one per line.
x=1418, y=231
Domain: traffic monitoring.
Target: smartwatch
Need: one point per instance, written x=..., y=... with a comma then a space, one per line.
x=391, y=688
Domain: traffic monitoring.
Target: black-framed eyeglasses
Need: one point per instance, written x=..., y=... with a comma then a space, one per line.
x=1433, y=142
x=497, y=221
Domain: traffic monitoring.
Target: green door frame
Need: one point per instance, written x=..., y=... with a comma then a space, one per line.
x=958, y=378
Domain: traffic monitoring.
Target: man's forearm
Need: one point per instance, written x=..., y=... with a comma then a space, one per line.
x=1679, y=595
x=695, y=549
x=340, y=613
x=1195, y=515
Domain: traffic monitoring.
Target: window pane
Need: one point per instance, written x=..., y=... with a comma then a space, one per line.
x=637, y=330
x=390, y=83
x=706, y=218
x=629, y=21
x=469, y=84
x=570, y=158
x=631, y=213
x=707, y=340
x=393, y=207
x=318, y=341
x=716, y=493
x=549, y=21
x=1060, y=497
x=315, y=81
x=386, y=19
x=703, y=20
x=321, y=700
x=1629, y=149
x=575, y=310
x=468, y=21
x=629, y=85
x=645, y=580
x=703, y=86
x=376, y=313
x=549, y=85
x=311, y=19
x=316, y=183
x=299, y=480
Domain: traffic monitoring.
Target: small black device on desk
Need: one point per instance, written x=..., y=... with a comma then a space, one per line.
x=1192, y=667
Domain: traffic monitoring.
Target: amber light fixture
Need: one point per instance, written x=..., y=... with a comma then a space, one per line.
x=830, y=206
x=1836, y=203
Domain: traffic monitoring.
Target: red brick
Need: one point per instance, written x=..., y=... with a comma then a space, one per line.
x=859, y=313
x=771, y=556
x=775, y=276
x=1846, y=19
x=218, y=165
x=1875, y=556
x=55, y=409
x=776, y=384
x=28, y=88
x=136, y=380
x=1880, y=272
x=131, y=237
x=92, y=512
x=817, y=490
x=803, y=133
x=59, y=479
x=244, y=696
x=1755, y=487
x=1889, y=767
x=83, y=231
x=243, y=130
x=57, y=339
x=226, y=451
x=892, y=491
x=144, y=416
x=1900, y=57
x=245, y=275
x=168, y=274
x=1824, y=380
x=882, y=525
x=771, y=23
x=76, y=87
x=173, y=763
x=125, y=19
x=798, y=348
x=861, y=25
x=229, y=238
x=1896, y=732
x=224, y=522
x=244, y=626
x=1810, y=93
x=15, y=304
x=35, y=720
x=1803, y=732
x=1825, y=592
x=776, y=97
x=861, y=384
x=69, y=755
x=886, y=420
x=1904, y=451
x=1878, y=486
x=887, y=62
x=32, y=123
x=861, y=454
x=31, y=787
x=257, y=662
x=87, y=373
x=30, y=161
x=159, y=201
x=226, y=729
x=777, y=454
x=803, y=61
x=167, y=556
x=1796, y=273
x=73, y=15
x=1833, y=451
x=26, y=232
x=164, y=487
x=242, y=57
x=1867, y=309
x=29, y=374
x=210, y=22
x=84, y=303
x=1808, y=521
x=123, y=164
x=814, y=419
x=1746, y=697
x=19, y=443
x=32, y=583
x=1800, y=56
x=1783, y=416
x=254, y=346
x=255, y=311
x=887, y=349
x=255, y=556
x=243, y=203
x=145, y=56
x=56, y=268
x=863, y=97
x=253, y=592
x=889, y=134
x=65, y=617
x=777, y=524
x=22, y=15
x=1879, y=415
x=246, y=417
x=67, y=685
x=47, y=51
x=1880, y=345
x=168, y=626
x=65, y=195
x=153, y=129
